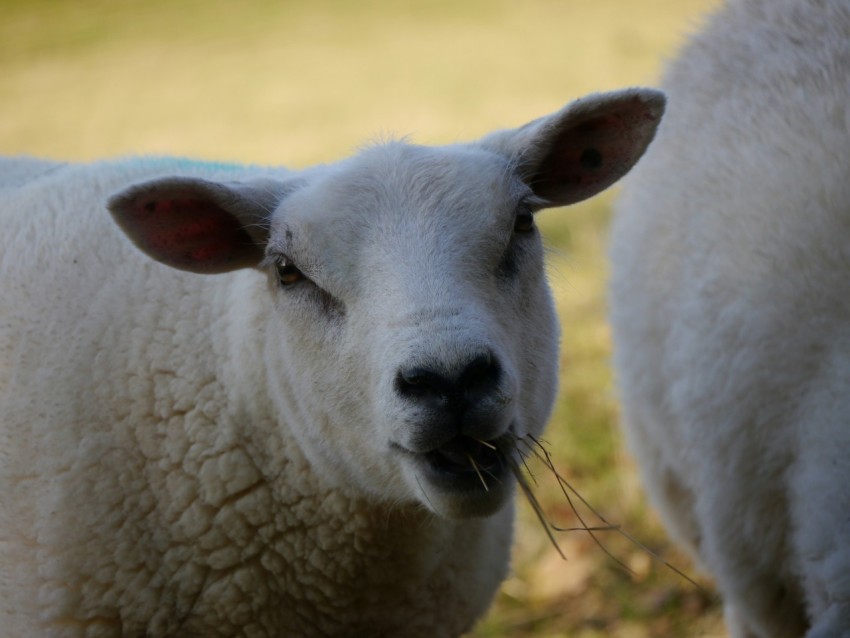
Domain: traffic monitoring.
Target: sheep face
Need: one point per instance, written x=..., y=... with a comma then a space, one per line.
x=416, y=277
x=411, y=335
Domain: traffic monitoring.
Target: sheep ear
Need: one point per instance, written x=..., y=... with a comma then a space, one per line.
x=198, y=225
x=585, y=147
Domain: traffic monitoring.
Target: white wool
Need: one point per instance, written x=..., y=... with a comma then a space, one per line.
x=258, y=453
x=729, y=301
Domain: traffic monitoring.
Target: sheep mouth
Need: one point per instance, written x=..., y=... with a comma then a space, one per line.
x=464, y=477
x=465, y=455
x=465, y=464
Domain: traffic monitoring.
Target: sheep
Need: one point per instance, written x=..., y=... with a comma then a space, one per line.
x=266, y=402
x=729, y=306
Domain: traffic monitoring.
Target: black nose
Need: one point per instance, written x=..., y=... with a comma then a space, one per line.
x=436, y=388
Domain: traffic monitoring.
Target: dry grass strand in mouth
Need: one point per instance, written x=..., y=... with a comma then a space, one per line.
x=534, y=447
x=485, y=470
x=535, y=505
x=543, y=454
x=508, y=458
x=478, y=472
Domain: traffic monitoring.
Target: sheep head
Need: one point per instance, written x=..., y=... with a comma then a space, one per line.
x=411, y=333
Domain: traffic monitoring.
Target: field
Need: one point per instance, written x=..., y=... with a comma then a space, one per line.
x=302, y=82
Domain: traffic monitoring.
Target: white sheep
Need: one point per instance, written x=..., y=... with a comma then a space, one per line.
x=730, y=306
x=316, y=441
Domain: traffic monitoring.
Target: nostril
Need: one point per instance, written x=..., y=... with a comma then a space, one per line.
x=421, y=382
x=481, y=375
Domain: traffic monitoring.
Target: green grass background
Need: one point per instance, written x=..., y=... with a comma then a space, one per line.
x=301, y=82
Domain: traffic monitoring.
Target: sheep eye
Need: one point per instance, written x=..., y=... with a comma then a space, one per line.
x=523, y=222
x=288, y=273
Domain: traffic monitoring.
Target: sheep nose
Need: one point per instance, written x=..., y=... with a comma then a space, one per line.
x=430, y=387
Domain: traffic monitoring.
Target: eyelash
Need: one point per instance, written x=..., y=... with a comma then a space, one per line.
x=288, y=273
x=523, y=222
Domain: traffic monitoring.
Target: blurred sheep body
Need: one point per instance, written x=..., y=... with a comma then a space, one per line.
x=300, y=422
x=729, y=302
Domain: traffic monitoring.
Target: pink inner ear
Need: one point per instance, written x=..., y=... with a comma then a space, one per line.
x=590, y=156
x=585, y=154
x=191, y=233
